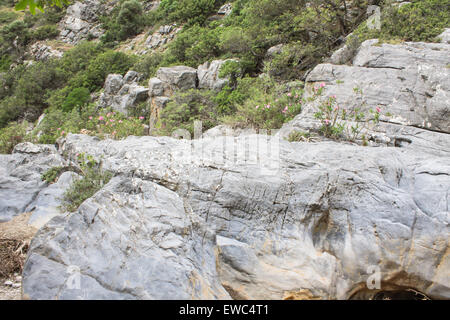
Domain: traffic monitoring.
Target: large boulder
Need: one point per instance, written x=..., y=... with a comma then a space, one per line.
x=445, y=36
x=178, y=77
x=20, y=177
x=123, y=93
x=410, y=81
x=251, y=217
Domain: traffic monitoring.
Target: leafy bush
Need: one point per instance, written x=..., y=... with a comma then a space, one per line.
x=105, y=63
x=148, y=65
x=267, y=106
x=11, y=135
x=420, y=20
x=123, y=22
x=341, y=123
x=45, y=32
x=106, y=124
x=77, y=98
x=92, y=180
x=7, y=16
x=190, y=11
x=187, y=107
x=52, y=174
x=296, y=136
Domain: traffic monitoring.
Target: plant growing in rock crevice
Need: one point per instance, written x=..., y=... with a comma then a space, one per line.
x=93, y=178
x=342, y=123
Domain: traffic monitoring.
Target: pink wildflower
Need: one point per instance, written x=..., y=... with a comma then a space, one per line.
x=90, y=117
x=289, y=94
x=327, y=121
x=111, y=120
x=378, y=109
x=108, y=114
x=322, y=84
x=257, y=107
x=101, y=118
x=141, y=118
x=120, y=121
x=268, y=106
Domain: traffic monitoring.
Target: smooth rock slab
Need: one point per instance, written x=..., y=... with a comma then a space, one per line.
x=134, y=240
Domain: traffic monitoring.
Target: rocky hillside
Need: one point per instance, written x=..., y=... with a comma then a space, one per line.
x=322, y=164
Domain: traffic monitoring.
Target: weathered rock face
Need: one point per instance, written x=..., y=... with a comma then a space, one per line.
x=164, y=35
x=21, y=187
x=122, y=93
x=411, y=81
x=178, y=77
x=208, y=75
x=81, y=20
x=445, y=36
x=226, y=9
x=305, y=221
x=42, y=52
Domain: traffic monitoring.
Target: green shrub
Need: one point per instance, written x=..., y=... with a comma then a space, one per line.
x=123, y=22
x=267, y=106
x=77, y=98
x=5, y=63
x=190, y=11
x=7, y=16
x=52, y=174
x=45, y=32
x=92, y=180
x=11, y=135
x=148, y=65
x=103, y=124
x=296, y=136
x=420, y=20
x=105, y=63
x=187, y=107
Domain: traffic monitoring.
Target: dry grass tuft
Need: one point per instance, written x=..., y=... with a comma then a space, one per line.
x=15, y=238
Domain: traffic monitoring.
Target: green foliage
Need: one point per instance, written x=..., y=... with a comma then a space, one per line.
x=123, y=22
x=92, y=180
x=190, y=11
x=77, y=98
x=341, y=123
x=7, y=16
x=45, y=32
x=297, y=136
x=105, y=63
x=11, y=135
x=232, y=70
x=187, y=107
x=420, y=20
x=267, y=105
x=40, y=4
x=148, y=65
x=52, y=174
x=5, y=63
x=104, y=124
